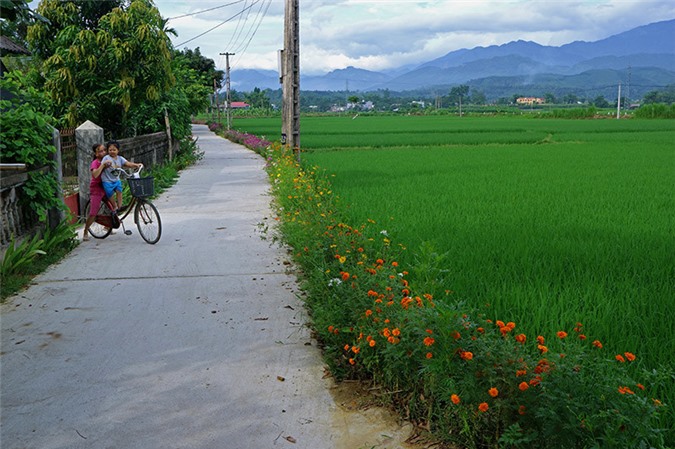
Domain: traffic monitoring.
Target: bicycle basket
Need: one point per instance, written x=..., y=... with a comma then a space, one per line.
x=141, y=187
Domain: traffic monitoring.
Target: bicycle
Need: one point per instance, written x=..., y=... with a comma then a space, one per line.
x=146, y=216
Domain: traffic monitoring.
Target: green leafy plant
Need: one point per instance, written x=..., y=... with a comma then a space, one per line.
x=17, y=258
x=63, y=236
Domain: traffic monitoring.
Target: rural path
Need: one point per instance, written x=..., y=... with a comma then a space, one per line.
x=197, y=342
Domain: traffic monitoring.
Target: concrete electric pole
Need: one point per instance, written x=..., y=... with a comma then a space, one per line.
x=290, y=78
x=228, y=98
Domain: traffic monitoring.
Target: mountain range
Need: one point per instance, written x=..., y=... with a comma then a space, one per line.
x=643, y=58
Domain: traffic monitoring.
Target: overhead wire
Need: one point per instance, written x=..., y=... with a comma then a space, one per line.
x=205, y=10
x=240, y=51
x=220, y=24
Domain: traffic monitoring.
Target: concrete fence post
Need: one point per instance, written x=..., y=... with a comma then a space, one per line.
x=86, y=135
x=56, y=215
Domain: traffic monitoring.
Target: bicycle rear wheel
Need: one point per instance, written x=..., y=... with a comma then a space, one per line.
x=97, y=230
x=148, y=221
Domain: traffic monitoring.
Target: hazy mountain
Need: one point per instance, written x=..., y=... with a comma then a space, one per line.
x=646, y=53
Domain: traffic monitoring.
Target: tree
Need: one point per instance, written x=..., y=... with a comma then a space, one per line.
x=258, y=99
x=600, y=102
x=667, y=96
x=549, y=98
x=478, y=97
x=16, y=16
x=570, y=99
x=456, y=94
x=202, y=65
x=103, y=60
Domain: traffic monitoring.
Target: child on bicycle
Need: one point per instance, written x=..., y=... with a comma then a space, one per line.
x=96, y=192
x=113, y=162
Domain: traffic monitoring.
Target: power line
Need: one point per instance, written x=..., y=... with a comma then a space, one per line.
x=220, y=24
x=204, y=10
x=259, y=20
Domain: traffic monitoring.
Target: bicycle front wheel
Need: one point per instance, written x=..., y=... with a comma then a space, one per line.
x=148, y=221
x=97, y=230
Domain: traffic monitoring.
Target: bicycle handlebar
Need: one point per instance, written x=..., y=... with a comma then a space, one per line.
x=128, y=174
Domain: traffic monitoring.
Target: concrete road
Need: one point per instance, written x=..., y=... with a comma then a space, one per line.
x=198, y=341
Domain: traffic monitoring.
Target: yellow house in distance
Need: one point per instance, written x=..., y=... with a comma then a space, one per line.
x=530, y=100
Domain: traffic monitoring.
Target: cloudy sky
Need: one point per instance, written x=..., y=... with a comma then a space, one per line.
x=385, y=34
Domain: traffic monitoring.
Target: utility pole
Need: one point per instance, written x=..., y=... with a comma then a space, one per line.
x=228, y=99
x=290, y=77
x=618, y=103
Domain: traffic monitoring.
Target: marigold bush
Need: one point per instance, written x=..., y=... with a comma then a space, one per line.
x=470, y=378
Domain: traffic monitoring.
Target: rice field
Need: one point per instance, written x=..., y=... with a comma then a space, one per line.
x=542, y=222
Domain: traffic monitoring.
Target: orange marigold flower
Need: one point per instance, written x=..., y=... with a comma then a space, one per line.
x=535, y=381
x=540, y=339
x=369, y=312
x=499, y=323
x=582, y=337
x=504, y=330
x=493, y=392
x=386, y=332
x=379, y=261
x=428, y=341
x=629, y=356
x=372, y=342
x=352, y=361
x=520, y=338
x=396, y=332
x=456, y=335
x=455, y=399
x=429, y=355
x=394, y=264
x=466, y=355
x=640, y=386
x=330, y=328
x=597, y=344
x=543, y=349
x=521, y=410
x=561, y=334
x=521, y=372
x=429, y=331
x=523, y=386
x=356, y=349
x=391, y=339
x=481, y=330
x=483, y=407
x=346, y=347
x=620, y=358
x=625, y=390
x=372, y=293
x=657, y=403
x=511, y=325
x=345, y=275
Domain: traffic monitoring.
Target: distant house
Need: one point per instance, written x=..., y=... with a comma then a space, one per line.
x=530, y=100
x=235, y=105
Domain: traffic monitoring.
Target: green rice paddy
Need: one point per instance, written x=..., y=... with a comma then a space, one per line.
x=549, y=222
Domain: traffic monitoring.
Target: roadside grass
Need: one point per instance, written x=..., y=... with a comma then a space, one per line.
x=468, y=377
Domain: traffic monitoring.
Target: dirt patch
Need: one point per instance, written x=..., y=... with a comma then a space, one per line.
x=366, y=423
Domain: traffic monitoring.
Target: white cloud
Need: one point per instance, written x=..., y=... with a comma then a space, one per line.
x=383, y=34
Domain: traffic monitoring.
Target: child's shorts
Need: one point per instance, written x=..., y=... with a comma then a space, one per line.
x=112, y=187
